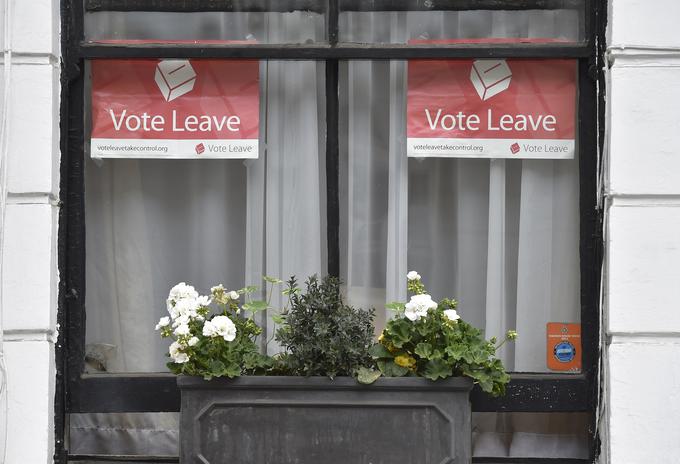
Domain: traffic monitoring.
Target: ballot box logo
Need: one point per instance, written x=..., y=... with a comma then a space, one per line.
x=200, y=148
x=514, y=148
x=490, y=77
x=175, y=78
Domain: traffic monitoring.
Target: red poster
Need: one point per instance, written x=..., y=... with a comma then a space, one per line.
x=500, y=108
x=175, y=108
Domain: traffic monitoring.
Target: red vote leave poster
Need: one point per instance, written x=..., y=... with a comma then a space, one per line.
x=491, y=108
x=175, y=108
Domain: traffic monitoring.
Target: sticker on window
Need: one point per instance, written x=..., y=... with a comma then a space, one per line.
x=564, y=346
x=175, y=108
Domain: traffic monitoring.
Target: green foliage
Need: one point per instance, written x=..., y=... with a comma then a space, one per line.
x=437, y=346
x=256, y=306
x=216, y=357
x=366, y=375
x=229, y=350
x=320, y=334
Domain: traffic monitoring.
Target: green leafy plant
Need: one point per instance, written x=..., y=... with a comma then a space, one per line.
x=320, y=334
x=429, y=339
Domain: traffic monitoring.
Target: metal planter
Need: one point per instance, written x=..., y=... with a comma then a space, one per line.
x=297, y=420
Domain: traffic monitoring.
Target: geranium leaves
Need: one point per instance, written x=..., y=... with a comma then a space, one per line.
x=367, y=376
x=256, y=306
x=439, y=348
x=424, y=350
x=379, y=351
x=278, y=318
x=437, y=369
x=400, y=332
x=272, y=280
x=396, y=306
x=390, y=369
x=248, y=290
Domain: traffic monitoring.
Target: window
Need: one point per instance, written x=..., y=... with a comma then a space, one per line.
x=332, y=179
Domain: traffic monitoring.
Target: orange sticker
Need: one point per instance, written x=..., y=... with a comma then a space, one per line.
x=563, y=346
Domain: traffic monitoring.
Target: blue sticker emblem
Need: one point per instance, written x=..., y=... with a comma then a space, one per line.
x=564, y=352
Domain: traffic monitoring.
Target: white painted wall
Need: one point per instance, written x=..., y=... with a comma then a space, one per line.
x=642, y=305
x=30, y=269
x=642, y=286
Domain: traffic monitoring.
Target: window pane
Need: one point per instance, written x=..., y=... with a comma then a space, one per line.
x=530, y=435
x=126, y=434
x=153, y=223
x=264, y=28
x=501, y=236
x=516, y=435
x=402, y=26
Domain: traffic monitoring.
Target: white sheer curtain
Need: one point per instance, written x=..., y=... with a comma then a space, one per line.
x=153, y=223
x=501, y=236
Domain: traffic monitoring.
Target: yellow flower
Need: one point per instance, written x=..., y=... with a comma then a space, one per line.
x=405, y=360
x=382, y=336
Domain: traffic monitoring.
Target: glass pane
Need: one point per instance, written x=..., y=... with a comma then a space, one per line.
x=126, y=434
x=530, y=435
x=516, y=435
x=403, y=27
x=263, y=28
x=501, y=236
x=152, y=223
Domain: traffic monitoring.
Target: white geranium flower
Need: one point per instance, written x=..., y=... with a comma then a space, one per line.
x=181, y=320
x=413, y=275
x=220, y=326
x=418, y=307
x=182, y=291
x=193, y=341
x=222, y=295
x=451, y=314
x=209, y=329
x=181, y=358
x=176, y=354
x=163, y=322
x=233, y=295
x=185, y=307
x=182, y=330
x=203, y=301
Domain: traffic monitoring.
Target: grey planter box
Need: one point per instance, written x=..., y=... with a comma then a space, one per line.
x=297, y=420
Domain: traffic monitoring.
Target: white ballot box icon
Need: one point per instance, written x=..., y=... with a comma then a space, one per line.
x=175, y=78
x=490, y=77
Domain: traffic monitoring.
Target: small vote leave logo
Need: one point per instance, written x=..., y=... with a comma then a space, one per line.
x=200, y=148
x=175, y=78
x=490, y=77
x=514, y=148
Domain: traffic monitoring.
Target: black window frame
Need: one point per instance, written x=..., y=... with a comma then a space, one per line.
x=77, y=392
